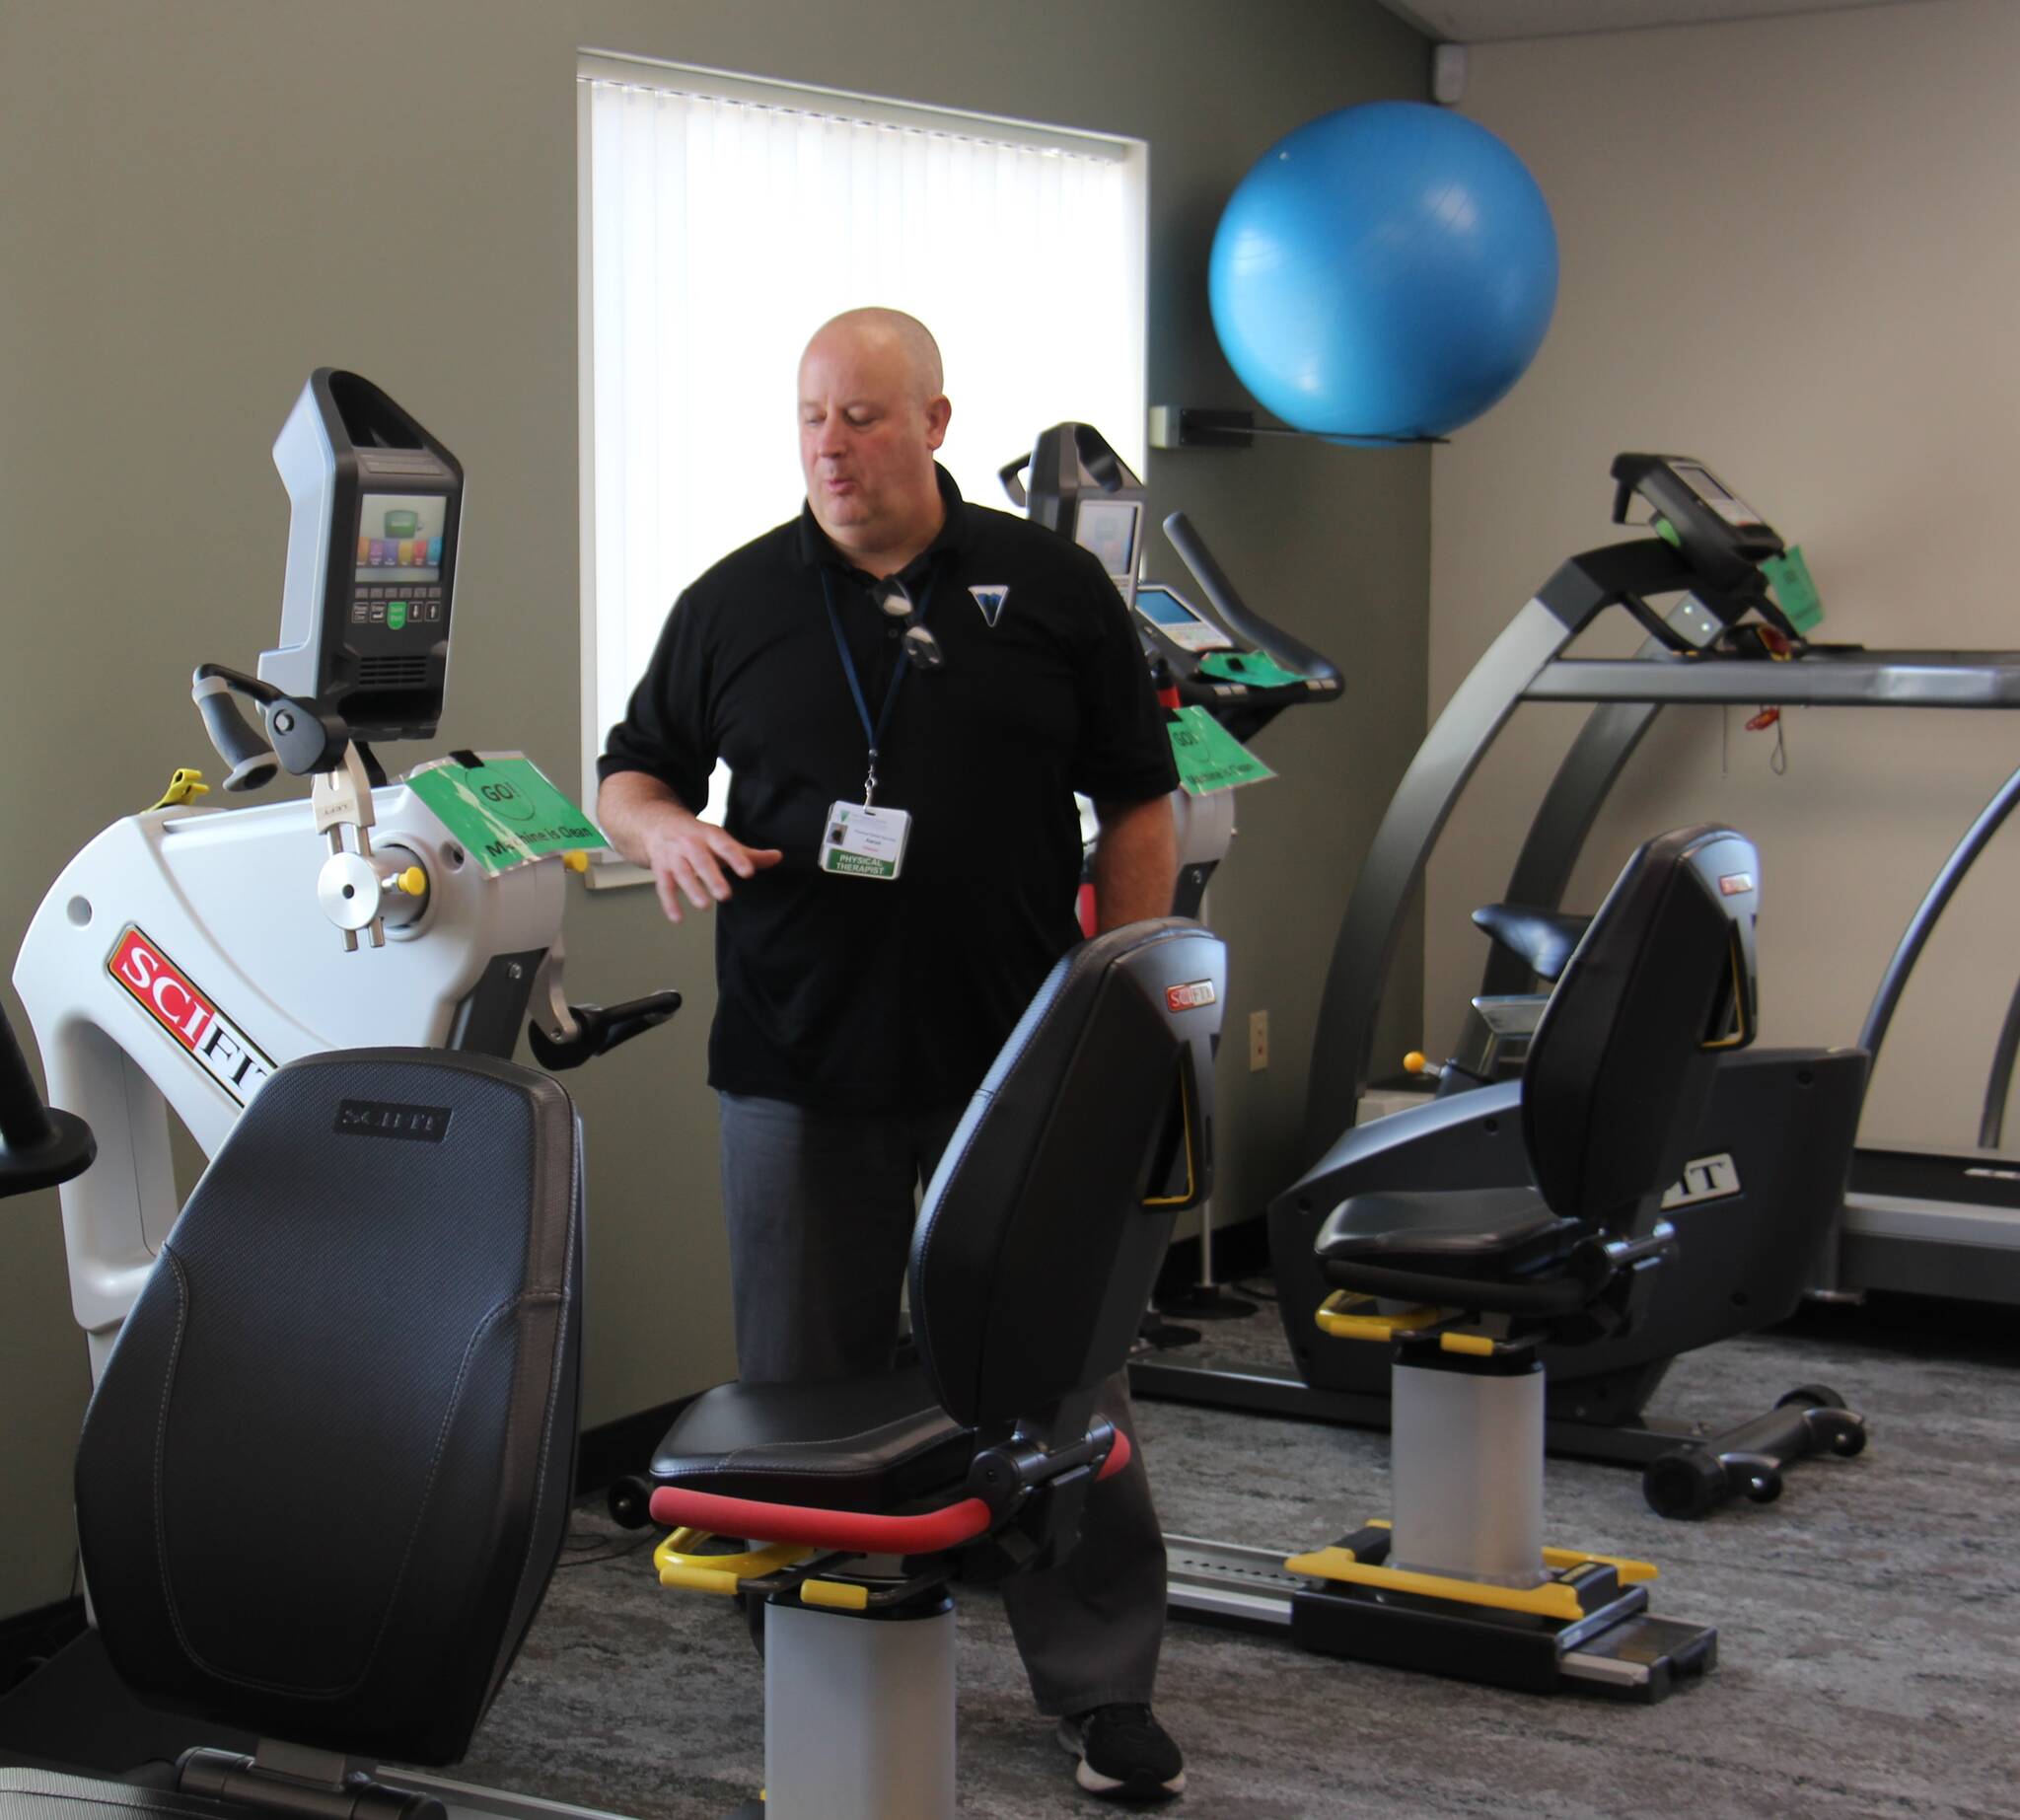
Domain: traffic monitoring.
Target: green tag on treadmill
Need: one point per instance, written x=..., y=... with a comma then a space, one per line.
x=1794, y=592
x=504, y=812
x=1209, y=757
x=1250, y=667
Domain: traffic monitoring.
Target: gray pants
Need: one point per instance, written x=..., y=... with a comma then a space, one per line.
x=820, y=1208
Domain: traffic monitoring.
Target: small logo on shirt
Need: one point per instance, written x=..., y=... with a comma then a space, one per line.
x=991, y=600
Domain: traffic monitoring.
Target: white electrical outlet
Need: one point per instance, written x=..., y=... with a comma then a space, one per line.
x=1259, y=1040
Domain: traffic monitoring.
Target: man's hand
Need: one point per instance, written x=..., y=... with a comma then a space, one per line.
x=686, y=858
x=652, y=828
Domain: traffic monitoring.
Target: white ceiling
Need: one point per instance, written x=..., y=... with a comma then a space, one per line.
x=1482, y=21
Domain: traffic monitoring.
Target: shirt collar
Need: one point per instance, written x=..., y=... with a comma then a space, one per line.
x=815, y=548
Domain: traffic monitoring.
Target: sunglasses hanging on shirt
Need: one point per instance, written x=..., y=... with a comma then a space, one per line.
x=920, y=646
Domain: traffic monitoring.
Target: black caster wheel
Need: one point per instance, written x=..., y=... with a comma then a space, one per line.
x=629, y=1502
x=1812, y=1396
x=1685, y=1484
x=1764, y=1487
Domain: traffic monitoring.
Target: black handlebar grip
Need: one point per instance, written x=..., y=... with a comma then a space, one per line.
x=599, y=1029
x=38, y=1145
x=250, y=759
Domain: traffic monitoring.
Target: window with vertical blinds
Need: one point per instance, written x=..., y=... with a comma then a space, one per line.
x=724, y=220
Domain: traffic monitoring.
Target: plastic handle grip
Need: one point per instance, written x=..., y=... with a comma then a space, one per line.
x=599, y=1029
x=244, y=750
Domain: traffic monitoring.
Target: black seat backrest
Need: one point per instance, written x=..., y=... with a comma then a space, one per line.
x=325, y=1475
x=1622, y=1064
x=1043, y=1227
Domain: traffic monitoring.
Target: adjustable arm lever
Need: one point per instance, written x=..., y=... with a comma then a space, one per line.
x=599, y=1029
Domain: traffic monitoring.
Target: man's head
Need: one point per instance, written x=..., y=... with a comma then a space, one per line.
x=871, y=415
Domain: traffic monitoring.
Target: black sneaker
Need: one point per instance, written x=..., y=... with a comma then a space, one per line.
x=1124, y=1754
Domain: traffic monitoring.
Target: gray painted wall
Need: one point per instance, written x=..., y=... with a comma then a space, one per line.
x=206, y=200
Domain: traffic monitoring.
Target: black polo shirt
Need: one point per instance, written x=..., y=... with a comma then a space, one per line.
x=861, y=994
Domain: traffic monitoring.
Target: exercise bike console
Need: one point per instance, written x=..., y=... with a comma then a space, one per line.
x=371, y=570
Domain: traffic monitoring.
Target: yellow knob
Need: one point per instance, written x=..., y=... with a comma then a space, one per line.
x=1415, y=1062
x=575, y=859
x=413, y=881
x=185, y=787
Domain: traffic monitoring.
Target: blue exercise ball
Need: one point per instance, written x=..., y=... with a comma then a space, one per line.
x=1386, y=271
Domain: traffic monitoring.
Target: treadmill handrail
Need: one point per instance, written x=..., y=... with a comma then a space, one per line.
x=1894, y=981
x=1816, y=678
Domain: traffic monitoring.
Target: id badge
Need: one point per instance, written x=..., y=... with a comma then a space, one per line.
x=864, y=843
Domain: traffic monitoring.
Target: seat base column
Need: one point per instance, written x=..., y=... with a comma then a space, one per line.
x=1465, y=1458
x=859, y=1712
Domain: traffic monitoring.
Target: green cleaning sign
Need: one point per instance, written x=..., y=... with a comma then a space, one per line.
x=1794, y=591
x=503, y=811
x=1209, y=757
x=1251, y=667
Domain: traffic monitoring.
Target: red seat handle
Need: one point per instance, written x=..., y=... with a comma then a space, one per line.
x=860, y=1532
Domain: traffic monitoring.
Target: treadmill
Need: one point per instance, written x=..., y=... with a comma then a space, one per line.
x=1921, y=1219
x=1916, y=1220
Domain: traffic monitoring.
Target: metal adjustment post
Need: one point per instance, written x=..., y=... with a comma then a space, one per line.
x=357, y=888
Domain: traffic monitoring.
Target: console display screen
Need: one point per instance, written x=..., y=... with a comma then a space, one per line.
x=1181, y=623
x=1728, y=505
x=1108, y=527
x=400, y=537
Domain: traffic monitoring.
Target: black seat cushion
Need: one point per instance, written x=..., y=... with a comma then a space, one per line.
x=1484, y=1232
x=325, y=1475
x=872, y=1444
x=1543, y=939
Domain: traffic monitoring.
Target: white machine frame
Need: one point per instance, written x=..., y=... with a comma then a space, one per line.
x=243, y=971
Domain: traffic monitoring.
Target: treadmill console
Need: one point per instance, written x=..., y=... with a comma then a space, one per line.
x=1171, y=617
x=370, y=567
x=1112, y=530
x=1722, y=537
x=1230, y=660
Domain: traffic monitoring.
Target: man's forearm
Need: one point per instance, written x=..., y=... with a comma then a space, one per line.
x=630, y=806
x=1135, y=862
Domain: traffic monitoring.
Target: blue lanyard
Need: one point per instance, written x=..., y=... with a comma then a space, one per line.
x=873, y=733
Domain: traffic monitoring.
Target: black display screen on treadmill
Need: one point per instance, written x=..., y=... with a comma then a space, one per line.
x=1719, y=497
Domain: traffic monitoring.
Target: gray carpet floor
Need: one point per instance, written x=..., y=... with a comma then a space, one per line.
x=1868, y=1628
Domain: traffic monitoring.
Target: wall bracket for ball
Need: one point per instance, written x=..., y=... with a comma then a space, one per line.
x=1195, y=427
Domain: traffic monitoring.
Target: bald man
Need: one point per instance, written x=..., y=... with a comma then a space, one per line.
x=951, y=676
